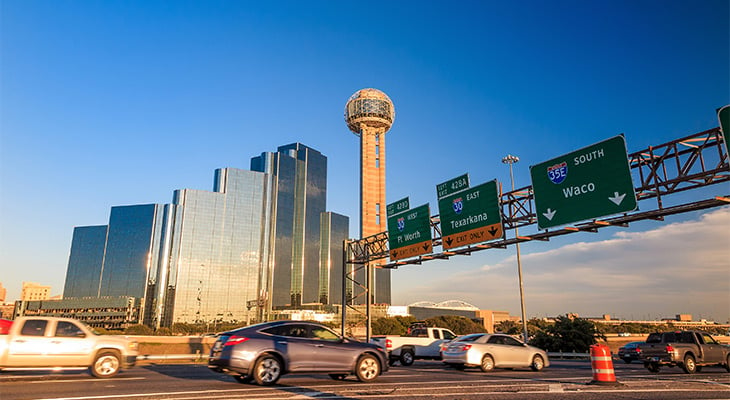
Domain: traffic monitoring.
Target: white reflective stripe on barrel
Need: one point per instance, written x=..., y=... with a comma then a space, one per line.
x=600, y=358
x=603, y=371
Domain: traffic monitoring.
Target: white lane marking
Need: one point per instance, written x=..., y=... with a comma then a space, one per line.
x=555, y=387
x=325, y=396
x=70, y=380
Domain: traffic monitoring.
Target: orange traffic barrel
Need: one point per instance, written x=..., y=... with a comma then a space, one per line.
x=602, y=365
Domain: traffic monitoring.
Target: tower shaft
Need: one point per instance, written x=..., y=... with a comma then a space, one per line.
x=372, y=181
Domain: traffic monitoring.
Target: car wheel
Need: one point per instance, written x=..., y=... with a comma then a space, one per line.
x=652, y=367
x=407, y=357
x=727, y=363
x=243, y=378
x=338, y=377
x=487, y=363
x=267, y=370
x=689, y=365
x=537, y=363
x=367, y=369
x=106, y=365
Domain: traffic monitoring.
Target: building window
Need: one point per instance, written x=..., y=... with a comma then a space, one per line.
x=377, y=212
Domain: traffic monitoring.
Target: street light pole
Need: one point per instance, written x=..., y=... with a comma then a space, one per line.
x=510, y=159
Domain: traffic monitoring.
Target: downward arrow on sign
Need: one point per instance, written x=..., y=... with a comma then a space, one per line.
x=549, y=214
x=617, y=198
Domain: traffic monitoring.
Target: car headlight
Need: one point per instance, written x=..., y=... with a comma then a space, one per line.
x=133, y=345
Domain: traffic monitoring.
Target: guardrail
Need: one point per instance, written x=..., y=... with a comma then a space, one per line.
x=560, y=354
x=166, y=357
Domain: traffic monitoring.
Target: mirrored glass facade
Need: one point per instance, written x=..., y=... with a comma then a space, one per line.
x=334, y=229
x=298, y=175
x=84, y=263
x=232, y=254
x=218, y=255
x=132, y=249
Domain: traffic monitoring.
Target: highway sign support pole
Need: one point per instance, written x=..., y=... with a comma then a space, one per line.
x=369, y=280
x=343, y=307
x=510, y=159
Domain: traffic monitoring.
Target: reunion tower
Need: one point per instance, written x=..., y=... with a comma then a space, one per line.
x=369, y=113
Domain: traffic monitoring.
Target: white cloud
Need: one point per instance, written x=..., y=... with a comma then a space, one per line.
x=676, y=268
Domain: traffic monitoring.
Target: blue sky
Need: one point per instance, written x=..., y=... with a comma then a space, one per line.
x=111, y=103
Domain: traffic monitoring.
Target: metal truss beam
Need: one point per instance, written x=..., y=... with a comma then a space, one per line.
x=683, y=164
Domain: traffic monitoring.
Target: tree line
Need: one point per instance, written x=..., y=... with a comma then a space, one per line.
x=566, y=333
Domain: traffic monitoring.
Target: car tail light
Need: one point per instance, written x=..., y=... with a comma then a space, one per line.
x=234, y=340
x=670, y=349
x=638, y=350
x=465, y=347
x=388, y=344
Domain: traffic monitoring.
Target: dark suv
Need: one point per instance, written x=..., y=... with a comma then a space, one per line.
x=265, y=352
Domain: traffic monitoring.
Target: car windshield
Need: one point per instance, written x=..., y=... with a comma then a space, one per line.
x=469, y=338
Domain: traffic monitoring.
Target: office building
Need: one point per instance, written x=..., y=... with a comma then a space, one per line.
x=219, y=259
x=85, y=261
x=251, y=245
x=334, y=229
x=134, y=240
x=297, y=175
x=114, y=259
x=33, y=291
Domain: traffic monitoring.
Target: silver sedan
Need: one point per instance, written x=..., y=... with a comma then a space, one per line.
x=489, y=351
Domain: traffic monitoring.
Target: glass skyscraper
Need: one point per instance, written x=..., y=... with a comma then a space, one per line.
x=132, y=248
x=84, y=263
x=260, y=240
x=113, y=260
x=298, y=176
x=334, y=229
x=219, y=253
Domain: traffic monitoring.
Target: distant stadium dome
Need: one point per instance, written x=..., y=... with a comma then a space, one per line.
x=448, y=304
x=430, y=304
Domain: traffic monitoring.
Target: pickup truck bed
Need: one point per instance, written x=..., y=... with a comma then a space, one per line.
x=690, y=350
x=422, y=343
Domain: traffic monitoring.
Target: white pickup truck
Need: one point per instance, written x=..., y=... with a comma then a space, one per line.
x=418, y=343
x=64, y=343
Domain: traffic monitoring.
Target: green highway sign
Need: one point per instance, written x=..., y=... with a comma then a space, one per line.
x=723, y=114
x=592, y=182
x=452, y=186
x=471, y=215
x=409, y=233
x=400, y=205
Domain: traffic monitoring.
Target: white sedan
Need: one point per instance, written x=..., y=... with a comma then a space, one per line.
x=489, y=351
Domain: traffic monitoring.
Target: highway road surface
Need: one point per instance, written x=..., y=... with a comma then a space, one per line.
x=564, y=379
